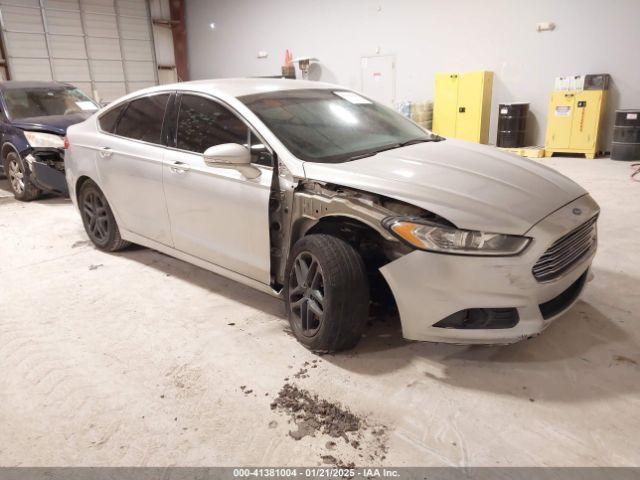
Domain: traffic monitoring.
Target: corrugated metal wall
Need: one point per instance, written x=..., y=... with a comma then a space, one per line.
x=163, y=40
x=104, y=47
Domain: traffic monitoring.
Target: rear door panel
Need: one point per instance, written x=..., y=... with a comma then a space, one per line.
x=131, y=177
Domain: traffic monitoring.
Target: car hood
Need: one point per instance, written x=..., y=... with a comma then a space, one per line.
x=474, y=186
x=57, y=124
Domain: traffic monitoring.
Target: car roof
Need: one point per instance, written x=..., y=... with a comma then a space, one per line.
x=20, y=85
x=238, y=87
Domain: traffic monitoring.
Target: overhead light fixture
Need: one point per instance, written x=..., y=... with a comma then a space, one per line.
x=212, y=26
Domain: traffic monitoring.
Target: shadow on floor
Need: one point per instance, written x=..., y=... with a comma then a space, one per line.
x=5, y=188
x=583, y=354
x=206, y=280
x=50, y=199
x=6, y=195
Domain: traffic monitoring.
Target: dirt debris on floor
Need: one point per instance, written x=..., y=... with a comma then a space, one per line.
x=312, y=415
x=331, y=460
x=618, y=359
x=304, y=370
x=326, y=417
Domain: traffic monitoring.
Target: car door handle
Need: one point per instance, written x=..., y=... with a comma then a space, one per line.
x=105, y=152
x=179, y=167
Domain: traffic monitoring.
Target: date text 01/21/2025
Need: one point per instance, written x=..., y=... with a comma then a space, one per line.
x=316, y=472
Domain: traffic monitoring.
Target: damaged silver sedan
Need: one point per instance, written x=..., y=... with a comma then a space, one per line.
x=321, y=196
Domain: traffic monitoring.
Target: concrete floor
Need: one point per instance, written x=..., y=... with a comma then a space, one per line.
x=129, y=359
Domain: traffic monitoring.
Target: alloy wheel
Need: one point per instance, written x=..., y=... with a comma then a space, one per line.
x=97, y=218
x=16, y=175
x=306, y=294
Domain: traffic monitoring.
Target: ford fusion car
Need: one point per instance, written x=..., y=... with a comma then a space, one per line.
x=34, y=117
x=333, y=202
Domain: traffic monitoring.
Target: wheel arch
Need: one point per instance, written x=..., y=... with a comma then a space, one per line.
x=371, y=245
x=82, y=179
x=333, y=224
x=6, y=148
x=367, y=240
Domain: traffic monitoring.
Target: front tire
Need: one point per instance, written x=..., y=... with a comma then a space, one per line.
x=98, y=219
x=326, y=293
x=16, y=173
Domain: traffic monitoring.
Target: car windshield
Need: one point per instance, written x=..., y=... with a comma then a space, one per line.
x=44, y=102
x=331, y=126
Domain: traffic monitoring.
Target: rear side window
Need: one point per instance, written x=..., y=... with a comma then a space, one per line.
x=142, y=120
x=108, y=120
x=203, y=123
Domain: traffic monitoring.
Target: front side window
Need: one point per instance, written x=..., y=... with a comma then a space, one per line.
x=142, y=119
x=328, y=126
x=44, y=102
x=260, y=153
x=203, y=123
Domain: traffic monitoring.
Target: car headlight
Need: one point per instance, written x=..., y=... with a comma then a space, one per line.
x=44, y=140
x=434, y=237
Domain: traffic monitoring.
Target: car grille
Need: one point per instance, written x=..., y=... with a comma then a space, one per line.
x=566, y=252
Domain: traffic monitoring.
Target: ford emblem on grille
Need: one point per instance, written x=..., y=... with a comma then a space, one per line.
x=577, y=211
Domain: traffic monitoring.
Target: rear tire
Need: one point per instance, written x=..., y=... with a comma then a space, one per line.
x=326, y=293
x=98, y=219
x=18, y=177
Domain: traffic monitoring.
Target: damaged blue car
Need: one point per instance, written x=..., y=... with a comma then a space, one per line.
x=34, y=117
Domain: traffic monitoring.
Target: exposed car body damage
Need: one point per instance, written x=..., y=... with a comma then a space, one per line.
x=313, y=203
x=47, y=170
x=46, y=165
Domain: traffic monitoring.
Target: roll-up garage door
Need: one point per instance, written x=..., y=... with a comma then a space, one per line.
x=105, y=47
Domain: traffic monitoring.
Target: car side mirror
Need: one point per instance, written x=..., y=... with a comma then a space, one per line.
x=231, y=155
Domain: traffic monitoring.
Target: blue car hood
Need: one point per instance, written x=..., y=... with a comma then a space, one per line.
x=57, y=124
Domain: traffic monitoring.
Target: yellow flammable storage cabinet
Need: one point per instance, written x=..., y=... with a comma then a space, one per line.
x=574, y=117
x=462, y=105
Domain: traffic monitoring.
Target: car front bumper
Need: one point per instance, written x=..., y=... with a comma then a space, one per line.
x=429, y=287
x=44, y=173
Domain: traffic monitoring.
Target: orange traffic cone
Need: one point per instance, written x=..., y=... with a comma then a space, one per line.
x=288, y=69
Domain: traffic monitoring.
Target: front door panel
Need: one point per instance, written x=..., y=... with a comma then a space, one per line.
x=218, y=215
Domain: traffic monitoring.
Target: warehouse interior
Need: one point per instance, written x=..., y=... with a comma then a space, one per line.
x=136, y=358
